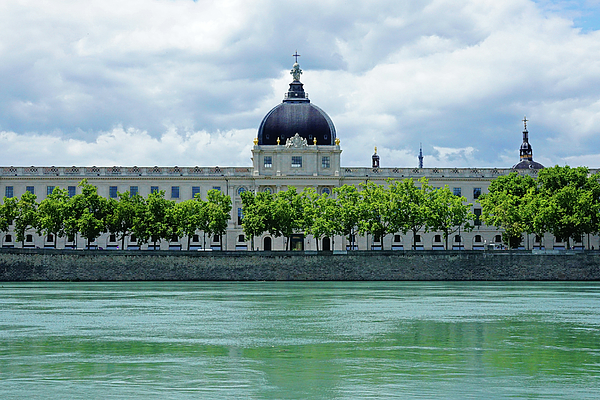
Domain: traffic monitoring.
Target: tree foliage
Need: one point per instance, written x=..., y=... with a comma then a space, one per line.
x=504, y=206
x=448, y=213
x=51, y=213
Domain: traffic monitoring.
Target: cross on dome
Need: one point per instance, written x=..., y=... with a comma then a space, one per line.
x=296, y=55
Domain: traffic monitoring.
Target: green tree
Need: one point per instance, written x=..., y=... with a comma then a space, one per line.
x=448, y=213
x=348, y=200
x=534, y=213
x=8, y=212
x=379, y=210
x=320, y=215
x=51, y=214
x=121, y=215
x=258, y=210
x=91, y=211
x=504, y=206
x=151, y=222
x=287, y=214
x=218, y=212
x=412, y=206
x=186, y=217
x=572, y=201
x=26, y=216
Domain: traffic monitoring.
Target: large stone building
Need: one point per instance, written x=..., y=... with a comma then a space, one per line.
x=296, y=145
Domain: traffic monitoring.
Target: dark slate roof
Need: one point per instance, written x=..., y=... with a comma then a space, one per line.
x=528, y=164
x=289, y=118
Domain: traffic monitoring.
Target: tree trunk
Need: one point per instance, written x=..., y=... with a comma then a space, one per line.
x=123, y=241
x=414, y=239
x=188, y=242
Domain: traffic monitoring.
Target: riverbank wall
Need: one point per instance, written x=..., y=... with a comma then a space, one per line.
x=111, y=265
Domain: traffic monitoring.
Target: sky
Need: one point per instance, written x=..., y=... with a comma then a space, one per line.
x=181, y=82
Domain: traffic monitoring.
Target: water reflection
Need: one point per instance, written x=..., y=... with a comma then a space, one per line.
x=300, y=340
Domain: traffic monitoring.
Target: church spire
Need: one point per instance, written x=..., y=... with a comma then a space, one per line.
x=526, y=152
x=420, y=156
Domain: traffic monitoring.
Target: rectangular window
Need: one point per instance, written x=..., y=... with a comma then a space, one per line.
x=240, y=216
x=195, y=191
x=72, y=190
x=268, y=161
x=296, y=161
x=133, y=191
x=153, y=189
x=325, y=162
x=457, y=191
x=477, y=220
x=476, y=193
x=217, y=188
x=9, y=191
x=49, y=190
x=112, y=192
x=174, y=192
x=30, y=189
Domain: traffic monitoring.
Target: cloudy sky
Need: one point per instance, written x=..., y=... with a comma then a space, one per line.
x=178, y=82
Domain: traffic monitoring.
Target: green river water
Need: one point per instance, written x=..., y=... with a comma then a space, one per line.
x=291, y=340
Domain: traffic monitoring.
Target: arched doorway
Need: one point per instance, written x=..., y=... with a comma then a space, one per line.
x=326, y=244
x=267, y=243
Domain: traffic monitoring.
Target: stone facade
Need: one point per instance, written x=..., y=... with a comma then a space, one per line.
x=180, y=183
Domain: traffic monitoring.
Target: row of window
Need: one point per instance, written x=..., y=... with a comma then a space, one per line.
x=458, y=192
x=9, y=191
x=133, y=190
x=297, y=162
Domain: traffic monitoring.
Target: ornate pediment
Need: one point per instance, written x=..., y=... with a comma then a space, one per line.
x=296, y=141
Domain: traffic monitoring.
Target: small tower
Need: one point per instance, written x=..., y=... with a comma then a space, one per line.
x=420, y=156
x=526, y=152
x=375, y=159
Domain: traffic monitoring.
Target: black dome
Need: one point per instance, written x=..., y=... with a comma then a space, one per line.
x=289, y=118
x=296, y=115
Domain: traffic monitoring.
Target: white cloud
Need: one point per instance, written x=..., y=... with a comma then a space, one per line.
x=392, y=74
x=130, y=147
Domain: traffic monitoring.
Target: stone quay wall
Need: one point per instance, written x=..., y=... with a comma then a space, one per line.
x=111, y=265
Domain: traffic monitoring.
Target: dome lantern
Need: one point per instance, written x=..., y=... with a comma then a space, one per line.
x=296, y=114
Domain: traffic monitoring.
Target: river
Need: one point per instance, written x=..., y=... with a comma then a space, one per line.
x=300, y=340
